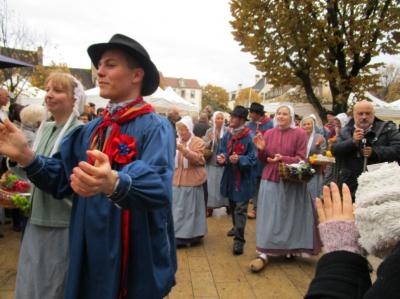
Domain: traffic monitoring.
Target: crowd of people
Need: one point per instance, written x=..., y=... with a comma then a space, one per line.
x=117, y=191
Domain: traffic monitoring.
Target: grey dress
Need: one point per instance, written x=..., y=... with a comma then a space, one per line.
x=315, y=185
x=214, y=174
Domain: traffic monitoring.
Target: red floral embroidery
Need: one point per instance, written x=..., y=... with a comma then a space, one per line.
x=123, y=149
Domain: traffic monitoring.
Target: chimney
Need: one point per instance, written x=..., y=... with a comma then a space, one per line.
x=39, y=55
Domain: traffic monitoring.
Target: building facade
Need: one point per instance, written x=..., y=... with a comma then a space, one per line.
x=189, y=89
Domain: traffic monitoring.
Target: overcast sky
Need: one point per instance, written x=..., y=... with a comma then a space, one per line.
x=185, y=38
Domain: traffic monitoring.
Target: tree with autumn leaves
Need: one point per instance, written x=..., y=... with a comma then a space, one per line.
x=215, y=96
x=309, y=42
x=247, y=96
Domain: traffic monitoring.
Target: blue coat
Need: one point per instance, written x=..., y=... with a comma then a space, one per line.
x=145, y=188
x=243, y=190
x=263, y=128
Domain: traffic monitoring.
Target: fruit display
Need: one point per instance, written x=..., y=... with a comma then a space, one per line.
x=14, y=192
x=322, y=159
x=300, y=172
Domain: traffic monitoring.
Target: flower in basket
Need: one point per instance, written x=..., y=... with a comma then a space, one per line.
x=13, y=183
x=300, y=171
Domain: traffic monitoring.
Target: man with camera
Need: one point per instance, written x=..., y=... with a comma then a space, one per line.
x=363, y=141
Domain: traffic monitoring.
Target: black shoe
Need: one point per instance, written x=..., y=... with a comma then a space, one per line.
x=231, y=232
x=238, y=248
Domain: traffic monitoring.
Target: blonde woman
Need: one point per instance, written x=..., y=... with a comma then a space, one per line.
x=43, y=261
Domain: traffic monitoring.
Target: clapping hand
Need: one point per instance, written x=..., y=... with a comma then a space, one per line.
x=221, y=159
x=333, y=207
x=88, y=180
x=234, y=158
x=14, y=144
x=259, y=142
x=275, y=159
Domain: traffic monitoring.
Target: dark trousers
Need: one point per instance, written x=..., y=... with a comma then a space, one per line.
x=239, y=218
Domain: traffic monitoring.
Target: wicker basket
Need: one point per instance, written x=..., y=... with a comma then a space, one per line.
x=284, y=174
x=5, y=199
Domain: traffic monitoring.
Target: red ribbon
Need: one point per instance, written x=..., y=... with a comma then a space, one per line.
x=120, y=149
x=235, y=147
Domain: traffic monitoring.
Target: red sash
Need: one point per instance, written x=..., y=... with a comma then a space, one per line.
x=234, y=146
x=121, y=150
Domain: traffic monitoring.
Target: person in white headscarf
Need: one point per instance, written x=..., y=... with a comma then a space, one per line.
x=43, y=261
x=316, y=144
x=285, y=221
x=214, y=170
x=188, y=208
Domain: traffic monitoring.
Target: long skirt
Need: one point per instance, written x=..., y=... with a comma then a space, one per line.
x=214, y=176
x=315, y=186
x=286, y=220
x=43, y=263
x=189, y=212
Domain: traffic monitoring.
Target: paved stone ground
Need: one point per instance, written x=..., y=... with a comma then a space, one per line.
x=205, y=271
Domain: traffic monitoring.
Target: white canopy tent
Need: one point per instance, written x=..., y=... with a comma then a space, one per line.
x=181, y=103
x=395, y=104
x=162, y=100
x=378, y=103
x=93, y=96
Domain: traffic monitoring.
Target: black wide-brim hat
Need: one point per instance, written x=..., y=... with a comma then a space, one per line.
x=240, y=111
x=257, y=108
x=151, y=79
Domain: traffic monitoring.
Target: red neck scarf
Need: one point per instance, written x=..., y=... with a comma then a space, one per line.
x=115, y=145
x=265, y=120
x=234, y=146
x=121, y=150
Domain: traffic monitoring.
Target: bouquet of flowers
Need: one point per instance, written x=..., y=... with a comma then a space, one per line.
x=14, y=192
x=300, y=172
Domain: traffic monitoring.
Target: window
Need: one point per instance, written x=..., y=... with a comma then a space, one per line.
x=183, y=93
x=192, y=94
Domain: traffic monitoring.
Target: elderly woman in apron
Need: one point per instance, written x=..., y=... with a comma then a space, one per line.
x=188, y=194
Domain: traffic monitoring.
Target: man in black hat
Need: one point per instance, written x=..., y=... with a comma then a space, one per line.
x=237, y=153
x=258, y=125
x=120, y=167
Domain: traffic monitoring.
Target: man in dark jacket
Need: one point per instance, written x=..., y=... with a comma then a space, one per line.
x=202, y=126
x=363, y=141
